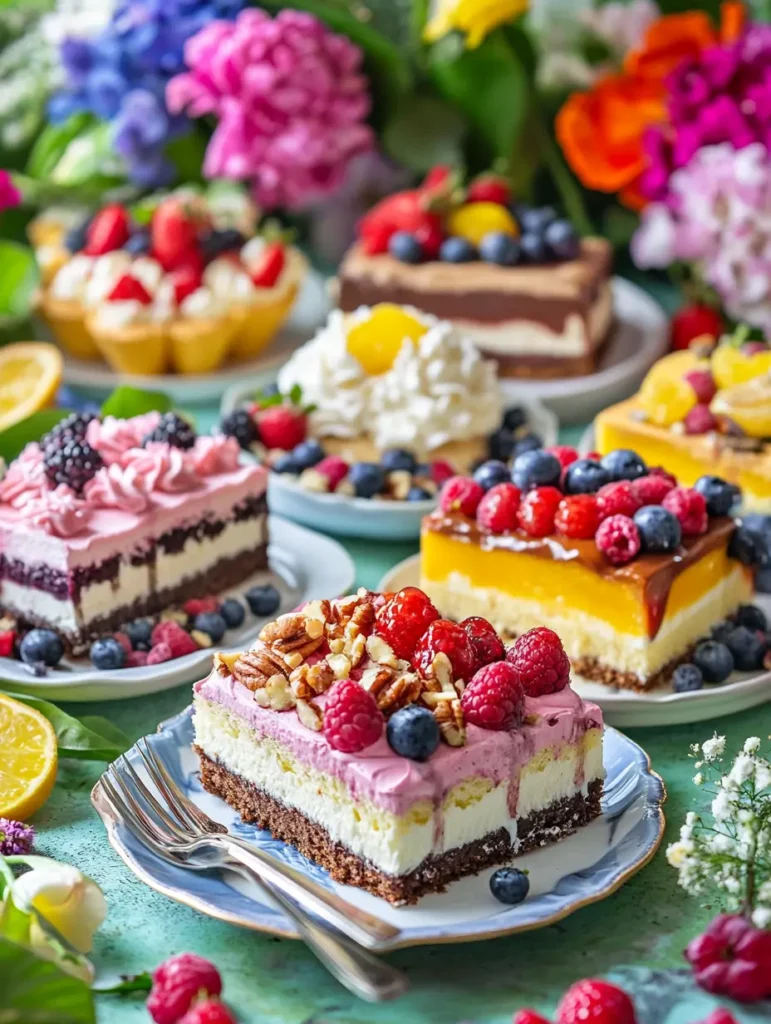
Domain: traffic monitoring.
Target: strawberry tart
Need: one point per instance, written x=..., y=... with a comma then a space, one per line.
x=396, y=749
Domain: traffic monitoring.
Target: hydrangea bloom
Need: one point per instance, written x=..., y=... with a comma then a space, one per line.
x=289, y=98
x=15, y=837
x=718, y=216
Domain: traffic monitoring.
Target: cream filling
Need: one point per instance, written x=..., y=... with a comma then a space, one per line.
x=394, y=844
x=589, y=636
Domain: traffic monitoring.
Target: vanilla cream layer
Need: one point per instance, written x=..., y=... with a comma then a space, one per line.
x=395, y=844
x=588, y=636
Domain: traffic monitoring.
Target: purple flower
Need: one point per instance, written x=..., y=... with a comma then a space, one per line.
x=15, y=837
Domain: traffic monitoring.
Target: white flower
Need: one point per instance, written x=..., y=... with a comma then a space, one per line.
x=761, y=917
x=762, y=775
x=743, y=768
x=69, y=901
x=677, y=853
x=695, y=748
x=714, y=748
x=721, y=806
x=698, y=779
x=751, y=745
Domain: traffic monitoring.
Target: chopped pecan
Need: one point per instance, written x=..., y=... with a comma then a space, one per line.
x=391, y=690
x=440, y=680
x=449, y=717
x=340, y=665
x=380, y=652
x=275, y=694
x=310, y=715
x=254, y=668
x=308, y=680
x=224, y=663
x=294, y=632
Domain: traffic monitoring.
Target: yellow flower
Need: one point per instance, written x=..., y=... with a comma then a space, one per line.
x=65, y=898
x=477, y=18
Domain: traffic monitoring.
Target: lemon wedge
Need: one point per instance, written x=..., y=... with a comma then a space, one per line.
x=27, y=759
x=748, y=405
x=376, y=342
x=30, y=374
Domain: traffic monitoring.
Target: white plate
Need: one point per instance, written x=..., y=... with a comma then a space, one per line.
x=309, y=312
x=627, y=709
x=640, y=337
x=303, y=565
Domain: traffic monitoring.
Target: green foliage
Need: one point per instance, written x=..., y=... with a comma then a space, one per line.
x=37, y=992
x=13, y=440
x=125, y=402
x=52, y=144
x=424, y=131
x=91, y=738
x=18, y=280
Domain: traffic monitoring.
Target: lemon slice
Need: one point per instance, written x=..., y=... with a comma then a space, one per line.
x=376, y=342
x=30, y=374
x=473, y=221
x=748, y=405
x=27, y=759
x=665, y=395
x=730, y=366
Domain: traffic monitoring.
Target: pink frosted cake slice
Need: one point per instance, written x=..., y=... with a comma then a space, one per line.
x=398, y=826
x=106, y=521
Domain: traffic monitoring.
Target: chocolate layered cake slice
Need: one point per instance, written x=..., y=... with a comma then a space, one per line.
x=397, y=750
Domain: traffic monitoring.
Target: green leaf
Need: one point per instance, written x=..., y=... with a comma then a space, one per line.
x=425, y=131
x=128, y=984
x=187, y=154
x=86, y=740
x=37, y=992
x=52, y=144
x=32, y=428
x=296, y=394
x=86, y=157
x=19, y=278
x=126, y=402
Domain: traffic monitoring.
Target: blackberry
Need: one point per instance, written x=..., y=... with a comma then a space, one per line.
x=71, y=428
x=173, y=430
x=74, y=463
x=241, y=426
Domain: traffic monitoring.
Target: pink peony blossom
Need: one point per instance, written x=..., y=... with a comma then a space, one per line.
x=289, y=98
x=9, y=194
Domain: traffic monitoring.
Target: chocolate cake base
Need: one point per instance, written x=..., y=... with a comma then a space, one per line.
x=556, y=822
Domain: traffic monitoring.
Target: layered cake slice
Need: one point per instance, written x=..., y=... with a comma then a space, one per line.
x=630, y=569
x=107, y=520
x=396, y=749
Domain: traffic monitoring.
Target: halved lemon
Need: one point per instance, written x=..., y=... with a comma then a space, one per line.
x=748, y=405
x=376, y=342
x=27, y=759
x=30, y=375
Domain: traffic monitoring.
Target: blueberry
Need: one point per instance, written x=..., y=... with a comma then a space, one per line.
x=139, y=243
x=500, y=445
x=286, y=463
x=76, y=237
x=307, y=454
x=750, y=547
x=418, y=494
x=491, y=473
x=721, y=630
x=41, y=645
x=526, y=443
x=759, y=523
x=719, y=494
x=585, y=476
x=514, y=418
x=752, y=617
x=219, y=241
x=509, y=885
x=659, y=529
x=746, y=647
x=394, y=459
x=714, y=660
x=368, y=479
x=498, y=247
x=37, y=669
x=413, y=733
x=232, y=612
x=405, y=247
x=536, y=468
x=763, y=581
x=537, y=219
x=533, y=247
x=107, y=653
x=263, y=600
x=139, y=632
x=457, y=250
x=561, y=240
x=624, y=464
x=687, y=678
x=211, y=623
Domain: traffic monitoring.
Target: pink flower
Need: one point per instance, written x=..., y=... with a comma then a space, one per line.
x=289, y=98
x=9, y=194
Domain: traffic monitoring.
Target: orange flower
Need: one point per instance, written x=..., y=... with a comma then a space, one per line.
x=601, y=131
x=733, y=18
x=670, y=40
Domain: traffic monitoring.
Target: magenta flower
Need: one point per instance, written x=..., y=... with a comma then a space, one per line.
x=9, y=194
x=15, y=837
x=290, y=102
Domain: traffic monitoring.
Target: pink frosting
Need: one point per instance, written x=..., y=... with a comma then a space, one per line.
x=123, y=488
x=112, y=438
x=215, y=454
x=162, y=467
x=26, y=479
x=58, y=512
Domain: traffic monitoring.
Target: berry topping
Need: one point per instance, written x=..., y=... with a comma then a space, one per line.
x=689, y=508
x=177, y=639
x=494, y=697
x=216, y=242
x=497, y=511
x=533, y=247
x=719, y=494
x=500, y=445
x=491, y=473
x=461, y=494
x=490, y=188
x=177, y=983
x=282, y=426
x=457, y=250
x=405, y=247
x=441, y=471
x=703, y=384
x=750, y=547
x=139, y=633
x=403, y=211
x=500, y=248
x=174, y=430
x=526, y=443
x=564, y=453
x=185, y=280
x=747, y=648
x=487, y=645
x=561, y=240
x=263, y=600
x=618, y=539
x=129, y=289
x=232, y=611
x=77, y=236
x=660, y=530
x=651, y=489
x=540, y=661
x=752, y=617
x=211, y=1011
x=577, y=517
x=714, y=660
x=7, y=643
x=413, y=732
x=394, y=459
x=108, y=230
x=514, y=417
x=41, y=645
x=74, y=464
x=404, y=620
x=617, y=499
x=124, y=640
x=585, y=476
x=352, y=719
x=595, y=1002
x=509, y=885
x=732, y=958
x=137, y=659
x=211, y=623
x=623, y=464
x=199, y=605
x=687, y=678
x=368, y=479
x=700, y=420
x=333, y=469
x=444, y=637
x=694, y=322
x=173, y=232
x=418, y=494
x=240, y=425
x=106, y=654
x=158, y=654
x=536, y=468
x=71, y=428
x=536, y=219
x=537, y=511
x=307, y=454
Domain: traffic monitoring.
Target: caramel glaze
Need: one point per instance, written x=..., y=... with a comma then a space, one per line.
x=653, y=574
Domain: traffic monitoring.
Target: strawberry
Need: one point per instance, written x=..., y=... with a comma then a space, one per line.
x=7, y=640
x=490, y=188
x=692, y=322
x=186, y=280
x=109, y=230
x=282, y=426
x=128, y=288
x=272, y=262
x=437, y=178
x=173, y=233
x=403, y=211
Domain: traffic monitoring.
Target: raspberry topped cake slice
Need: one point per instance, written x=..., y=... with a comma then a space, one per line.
x=629, y=568
x=398, y=750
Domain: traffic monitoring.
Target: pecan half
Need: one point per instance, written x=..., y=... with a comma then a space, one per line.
x=390, y=689
x=449, y=717
x=294, y=632
x=254, y=668
x=308, y=680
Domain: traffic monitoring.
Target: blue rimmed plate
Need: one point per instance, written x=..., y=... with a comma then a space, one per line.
x=564, y=877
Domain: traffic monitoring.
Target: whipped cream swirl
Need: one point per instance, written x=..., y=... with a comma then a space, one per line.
x=162, y=467
x=126, y=489
x=25, y=479
x=214, y=454
x=58, y=512
x=112, y=437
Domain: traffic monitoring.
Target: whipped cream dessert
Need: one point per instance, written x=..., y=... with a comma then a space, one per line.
x=269, y=736
x=108, y=520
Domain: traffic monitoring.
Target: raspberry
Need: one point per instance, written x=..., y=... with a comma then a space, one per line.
x=158, y=653
x=175, y=637
x=577, y=517
x=138, y=659
x=651, y=489
x=352, y=719
x=210, y=1012
x=494, y=697
x=703, y=384
x=124, y=641
x=720, y=1016
x=618, y=539
x=700, y=420
x=404, y=620
x=497, y=511
x=177, y=983
x=529, y=1017
x=537, y=511
x=540, y=662
x=334, y=469
x=595, y=1002
x=732, y=958
x=694, y=322
x=7, y=641
x=660, y=471
x=689, y=507
x=564, y=454
x=173, y=430
x=445, y=637
x=281, y=426
x=461, y=494
x=487, y=645
x=199, y=605
x=617, y=499
x=441, y=472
